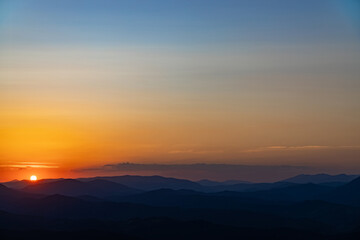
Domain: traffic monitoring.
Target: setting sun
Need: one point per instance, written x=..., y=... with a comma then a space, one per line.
x=33, y=178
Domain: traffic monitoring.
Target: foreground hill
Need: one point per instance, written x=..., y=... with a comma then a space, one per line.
x=30, y=227
x=62, y=207
x=305, y=217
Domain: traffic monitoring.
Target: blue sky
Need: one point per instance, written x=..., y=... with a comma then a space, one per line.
x=180, y=22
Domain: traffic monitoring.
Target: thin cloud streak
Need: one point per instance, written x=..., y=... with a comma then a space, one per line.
x=192, y=151
x=22, y=165
x=291, y=148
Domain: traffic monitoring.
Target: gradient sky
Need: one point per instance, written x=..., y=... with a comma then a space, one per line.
x=89, y=83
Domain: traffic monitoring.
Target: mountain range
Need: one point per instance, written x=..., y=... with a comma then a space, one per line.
x=152, y=207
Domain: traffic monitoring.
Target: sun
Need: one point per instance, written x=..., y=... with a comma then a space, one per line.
x=33, y=178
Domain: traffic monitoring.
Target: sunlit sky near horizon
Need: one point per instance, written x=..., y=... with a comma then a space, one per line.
x=90, y=83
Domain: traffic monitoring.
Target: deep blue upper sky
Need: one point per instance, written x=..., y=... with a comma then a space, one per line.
x=174, y=22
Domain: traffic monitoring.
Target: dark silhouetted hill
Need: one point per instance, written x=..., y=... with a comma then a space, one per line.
x=190, y=199
x=210, y=183
x=346, y=194
x=249, y=187
x=9, y=197
x=227, y=199
x=30, y=227
x=63, y=207
x=71, y=187
x=296, y=193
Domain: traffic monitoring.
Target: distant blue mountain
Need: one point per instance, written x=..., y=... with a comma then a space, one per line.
x=149, y=183
x=16, y=184
x=321, y=178
x=20, y=184
x=72, y=187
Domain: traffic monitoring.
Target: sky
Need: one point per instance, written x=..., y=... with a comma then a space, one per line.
x=88, y=84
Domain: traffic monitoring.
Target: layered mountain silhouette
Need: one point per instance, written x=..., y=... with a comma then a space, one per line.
x=154, y=207
x=16, y=184
x=148, y=183
x=8, y=195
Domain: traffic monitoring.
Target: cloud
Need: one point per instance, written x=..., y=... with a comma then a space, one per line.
x=22, y=165
x=292, y=148
x=192, y=151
